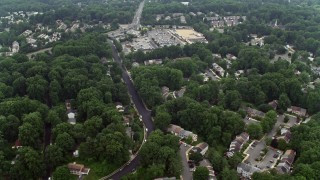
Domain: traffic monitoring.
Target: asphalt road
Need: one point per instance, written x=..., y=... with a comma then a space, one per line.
x=137, y=16
x=186, y=174
x=145, y=113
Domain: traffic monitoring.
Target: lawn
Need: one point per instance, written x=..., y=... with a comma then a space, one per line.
x=98, y=169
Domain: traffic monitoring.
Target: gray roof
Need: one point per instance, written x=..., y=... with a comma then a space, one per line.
x=248, y=168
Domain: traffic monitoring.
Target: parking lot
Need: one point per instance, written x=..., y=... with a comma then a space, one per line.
x=163, y=38
x=258, y=158
x=254, y=152
x=270, y=160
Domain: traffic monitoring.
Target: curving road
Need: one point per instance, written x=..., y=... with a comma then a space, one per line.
x=143, y=111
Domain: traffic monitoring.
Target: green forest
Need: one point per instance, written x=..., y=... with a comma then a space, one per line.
x=79, y=71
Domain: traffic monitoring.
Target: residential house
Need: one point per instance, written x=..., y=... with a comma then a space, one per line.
x=199, y=13
x=167, y=18
x=237, y=144
x=180, y=93
x=255, y=113
x=165, y=92
x=158, y=17
x=119, y=107
x=285, y=135
x=174, y=15
x=76, y=153
x=174, y=129
x=186, y=134
x=71, y=113
x=15, y=47
x=246, y=170
x=78, y=169
x=238, y=73
x=153, y=61
x=298, y=111
x=218, y=69
x=72, y=118
x=273, y=104
x=26, y=33
x=183, y=20
x=218, y=56
x=135, y=64
x=217, y=23
x=286, y=161
x=17, y=144
x=211, y=18
x=231, y=57
x=192, y=14
x=202, y=148
x=179, y=131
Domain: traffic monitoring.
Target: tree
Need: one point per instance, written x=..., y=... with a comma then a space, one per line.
x=35, y=120
x=162, y=120
x=28, y=135
x=235, y=160
x=229, y=174
x=9, y=127
x=201, y=173
x=54, y=156
x=196, y=157
x=53, y=118
x=232, y=100
x=282, y=144
x=218, y=162
x=65, y=141
x=37, y=87
x=284, y=102
x=93, y=126
x=29, y=164
x=62, y=173
x=255, y=131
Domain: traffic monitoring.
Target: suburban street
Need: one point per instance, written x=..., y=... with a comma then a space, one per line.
x=186, y=174
x=136, y=99
x=145, y=113
x=136, y=19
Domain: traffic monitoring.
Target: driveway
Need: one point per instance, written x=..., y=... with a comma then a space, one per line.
x=273, y=132
x=186, y=174
x=293, y=120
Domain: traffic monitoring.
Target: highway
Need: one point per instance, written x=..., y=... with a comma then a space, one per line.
x=142, y=110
